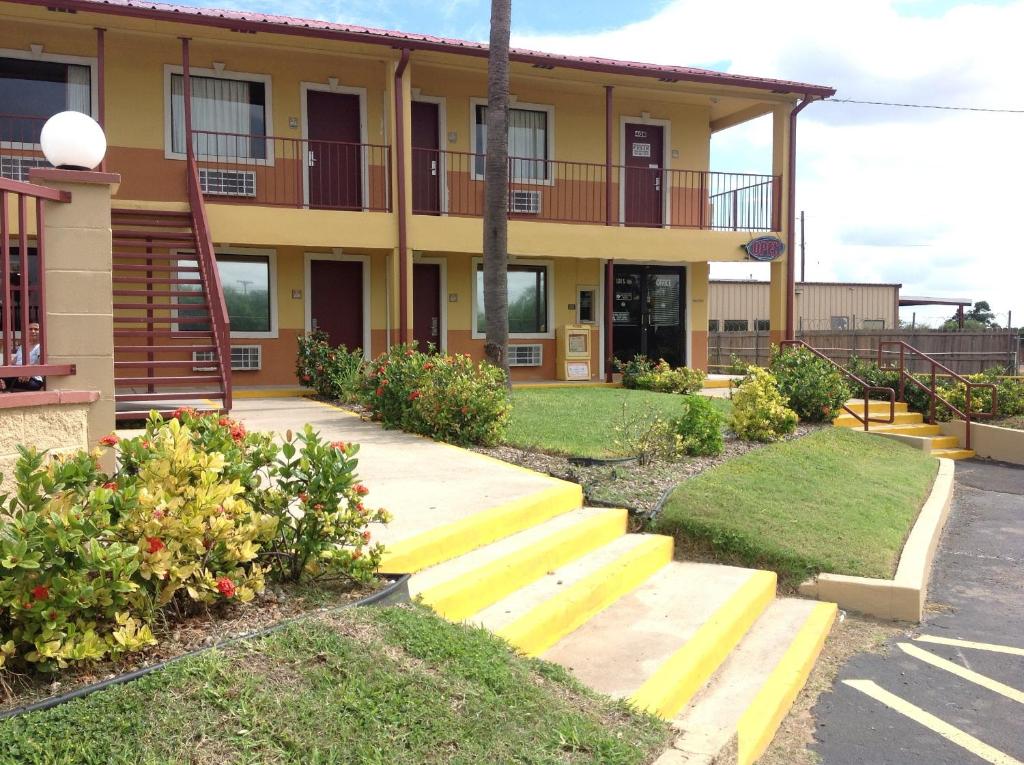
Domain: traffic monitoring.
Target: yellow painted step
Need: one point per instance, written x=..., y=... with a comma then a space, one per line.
x=407, y=556
x=923, y=429
x=540, y=615
x=514, y=566
x=953, y=454
x=857, y=405
x=945, y=442
x=900, y=418
x=677, y=680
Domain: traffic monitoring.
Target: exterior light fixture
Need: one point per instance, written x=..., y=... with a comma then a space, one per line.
x=73, y=141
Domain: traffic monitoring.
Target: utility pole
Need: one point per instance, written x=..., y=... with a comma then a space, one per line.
x=803, y=249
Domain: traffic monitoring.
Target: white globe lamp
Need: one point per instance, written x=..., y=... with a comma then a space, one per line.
x=73, y=141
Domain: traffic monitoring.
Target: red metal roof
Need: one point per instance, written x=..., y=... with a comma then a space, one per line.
x=251, y=22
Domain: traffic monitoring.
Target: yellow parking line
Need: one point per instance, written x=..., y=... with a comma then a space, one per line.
x=995, y=648
x=949, y=732
x=966, y=674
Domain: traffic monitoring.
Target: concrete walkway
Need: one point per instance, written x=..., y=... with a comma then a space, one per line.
x=436, y=484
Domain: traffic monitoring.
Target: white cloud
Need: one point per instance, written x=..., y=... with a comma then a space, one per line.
x=927, y=198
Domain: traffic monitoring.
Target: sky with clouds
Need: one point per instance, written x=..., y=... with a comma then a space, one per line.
x=926, y=198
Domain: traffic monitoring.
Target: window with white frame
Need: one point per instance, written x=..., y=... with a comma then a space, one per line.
x=229, y=117
x=527, y=299
x=247, y=281
x=586, y=305
x=527, y=142
x=33, y=90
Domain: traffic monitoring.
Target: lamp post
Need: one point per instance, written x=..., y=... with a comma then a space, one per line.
x=73, y=141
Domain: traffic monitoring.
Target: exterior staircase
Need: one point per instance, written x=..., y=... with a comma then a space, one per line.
x=909, y=427
x=160, y=363
x=711, y=648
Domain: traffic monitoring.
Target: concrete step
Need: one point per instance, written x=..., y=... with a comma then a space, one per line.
x=537, y=616
x=461, y=587
x=901, y=418
x=857, y=405
x=922, y=429
x=660, y=643
x=754, y=688
x=953, y=454
x=945, y=442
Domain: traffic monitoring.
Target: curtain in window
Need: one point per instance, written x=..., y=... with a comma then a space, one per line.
x=527, y=143
x=218, y=106
x=79, y=92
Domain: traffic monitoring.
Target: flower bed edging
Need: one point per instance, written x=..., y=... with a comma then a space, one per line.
x=901, y=598
x=393, y=594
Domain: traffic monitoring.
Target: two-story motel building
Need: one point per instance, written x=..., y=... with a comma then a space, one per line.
x=340, y=179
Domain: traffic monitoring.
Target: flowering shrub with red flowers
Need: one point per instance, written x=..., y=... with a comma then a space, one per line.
x=447, y=397
x=334, y=373
x=199, y=512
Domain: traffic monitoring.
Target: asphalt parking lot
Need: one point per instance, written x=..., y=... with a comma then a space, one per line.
x=953, y=692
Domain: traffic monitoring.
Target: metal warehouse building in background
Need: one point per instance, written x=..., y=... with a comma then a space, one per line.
x=741, y=305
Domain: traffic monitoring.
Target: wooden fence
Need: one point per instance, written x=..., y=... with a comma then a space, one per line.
x=965, y=352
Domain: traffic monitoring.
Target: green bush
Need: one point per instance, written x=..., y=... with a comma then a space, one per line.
x=334, y=373
x=644, y=435
x=1009, y=394
x=699, y=429
x=813, y=388
x=199, y=512
x=759, y=412
x=449, y=398
x=641, y=374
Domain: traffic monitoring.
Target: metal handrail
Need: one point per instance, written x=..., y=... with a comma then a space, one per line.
x=931, y=390
x=208, y=263
x=867, y=389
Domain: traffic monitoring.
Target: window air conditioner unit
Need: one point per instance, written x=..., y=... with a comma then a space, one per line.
x=227, y=183
x=244, y=358
x=531, y=355
x=523, y=202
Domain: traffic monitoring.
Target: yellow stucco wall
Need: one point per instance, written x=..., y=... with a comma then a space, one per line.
x=58, y=428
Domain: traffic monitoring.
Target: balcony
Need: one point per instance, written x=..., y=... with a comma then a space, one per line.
x=451, y=183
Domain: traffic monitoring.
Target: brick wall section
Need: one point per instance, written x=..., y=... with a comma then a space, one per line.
x=55, y=421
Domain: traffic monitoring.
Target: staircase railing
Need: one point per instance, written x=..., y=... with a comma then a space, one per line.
x=866, y=389
x=930, y=389
x=211, y=278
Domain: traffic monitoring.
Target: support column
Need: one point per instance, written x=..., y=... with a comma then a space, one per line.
x=101, y=86
x=697, y=275
x=79, y=321
x=780, y=299
x=608, y=128
x=402, y=156
x=778, y=302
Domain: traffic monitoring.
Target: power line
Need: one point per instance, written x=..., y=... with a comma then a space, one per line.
x=925, y=106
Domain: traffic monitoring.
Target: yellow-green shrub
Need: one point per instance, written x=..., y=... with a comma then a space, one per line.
x=759, y=412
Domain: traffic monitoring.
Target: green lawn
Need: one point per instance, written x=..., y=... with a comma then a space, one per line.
x=579, y=422
x=833, y=501
x=369, y=686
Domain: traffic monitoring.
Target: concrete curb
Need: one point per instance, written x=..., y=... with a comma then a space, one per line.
x=903, y=597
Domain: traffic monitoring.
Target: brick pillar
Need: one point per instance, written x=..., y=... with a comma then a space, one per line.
x=79, y=322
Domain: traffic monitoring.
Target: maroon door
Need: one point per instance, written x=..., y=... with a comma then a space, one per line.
x=336, y=300
x=334, y=155
x=426, y=159
x=426, y=304
x=644, y=178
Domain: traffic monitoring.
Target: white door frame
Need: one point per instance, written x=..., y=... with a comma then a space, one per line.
x=687, y=307
x=666, y=150
x=304, y=89
x=442, y=297
x=442, y=139
x=337, y=255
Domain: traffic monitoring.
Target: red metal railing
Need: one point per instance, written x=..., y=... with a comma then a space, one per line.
x=19, y=145
x=934, y=397
x=239, y=168
x=866, y=389
x=211, y=278
x=451, y=183
x=23, y=282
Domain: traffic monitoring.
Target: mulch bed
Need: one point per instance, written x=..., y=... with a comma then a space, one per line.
x=638, y=488
x=278, y=603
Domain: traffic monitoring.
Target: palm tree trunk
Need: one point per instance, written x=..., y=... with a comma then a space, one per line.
x=495, y=246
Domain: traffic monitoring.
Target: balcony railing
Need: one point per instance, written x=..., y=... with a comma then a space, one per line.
x=451, y=183
x=19, y=146
x=293, y=172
